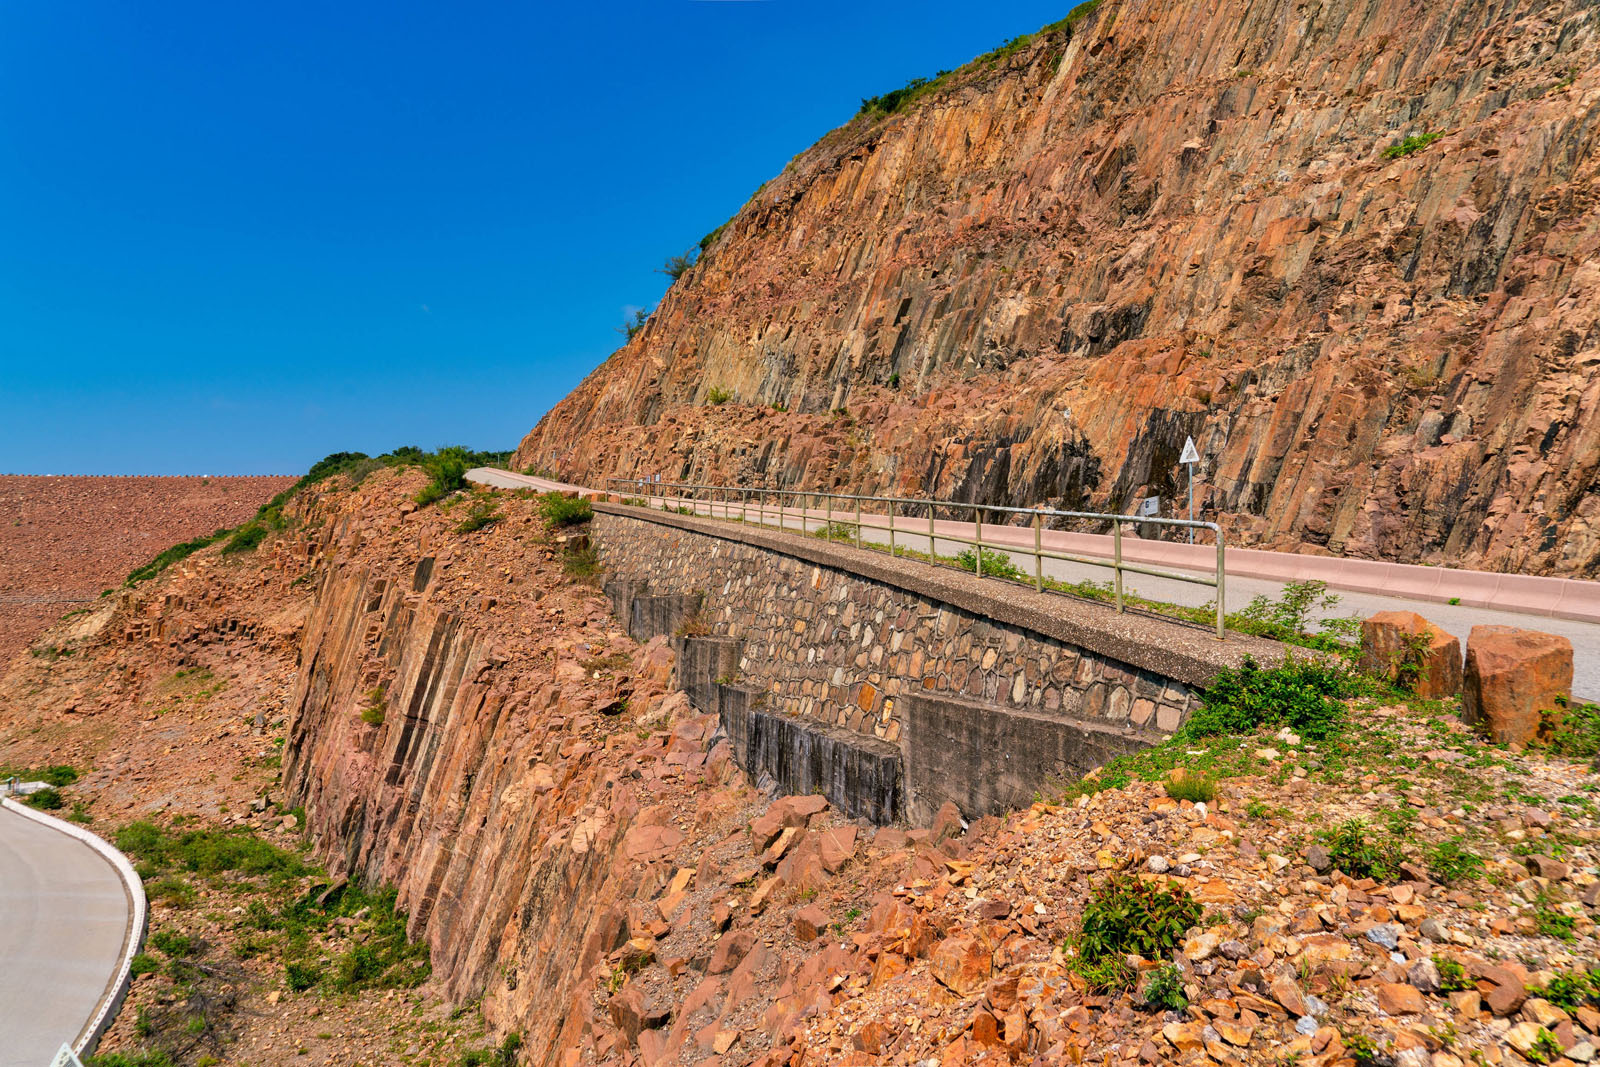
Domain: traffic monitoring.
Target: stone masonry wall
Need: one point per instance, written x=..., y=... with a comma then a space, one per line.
x=832, y=645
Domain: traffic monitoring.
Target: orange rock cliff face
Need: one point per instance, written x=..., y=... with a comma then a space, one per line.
x=1172, y=219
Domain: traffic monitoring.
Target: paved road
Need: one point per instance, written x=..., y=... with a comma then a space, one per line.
x=63, y=918
x=1457, y=619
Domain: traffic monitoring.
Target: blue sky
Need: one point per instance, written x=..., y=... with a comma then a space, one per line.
x=237, y=237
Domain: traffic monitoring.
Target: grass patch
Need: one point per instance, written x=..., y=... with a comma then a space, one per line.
x=560, y=510
x=163, y=850
x=1415, y=143
x=484, y=512
x=1195, y=788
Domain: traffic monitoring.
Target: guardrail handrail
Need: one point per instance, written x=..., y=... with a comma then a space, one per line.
x=856, y=516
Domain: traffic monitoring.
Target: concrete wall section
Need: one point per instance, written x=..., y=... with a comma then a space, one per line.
x=989, y=760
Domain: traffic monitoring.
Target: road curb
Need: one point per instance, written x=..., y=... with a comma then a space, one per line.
x=117, y=991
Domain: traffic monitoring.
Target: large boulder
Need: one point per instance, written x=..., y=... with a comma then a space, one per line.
x=1404, y=647
x=1512, y=675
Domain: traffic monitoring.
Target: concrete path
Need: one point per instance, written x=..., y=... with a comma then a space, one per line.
x=64, y=917
x=1364, y=587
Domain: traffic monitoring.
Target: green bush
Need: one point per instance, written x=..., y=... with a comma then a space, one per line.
x=1453, y=977
x=1574, y=729
x=143, y=963
x=501, y=1055
x=448, y=470
x=46, y=799
x=1414, y=143
x=559, y=510
x=147, y=1058
x=484, y=512
x=995, y=564
x=1126, y=915
x=300, y=975
x=1302, y=694
x=1569, y=991
x=246, y=538
x=677, y=266
x=1165, y=989
x=1451, y=861
x=1290, y=618
x=716, y=395
x=1361, y=856
x=1194, y=788
x=580, y=562
x=173, y=943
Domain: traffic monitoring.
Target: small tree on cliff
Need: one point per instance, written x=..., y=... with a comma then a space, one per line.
x=677, y=266
x=631, y=326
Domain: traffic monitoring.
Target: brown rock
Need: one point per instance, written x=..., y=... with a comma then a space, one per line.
x=633, y=1013
x=1404, y=647
x=1397, y=998
x=1511, y=676
x=837, y=846
x=961, y=964
x=646, y=843
x=809, y=923
x=946, y=823
x=731, y=949
x=1545, y=867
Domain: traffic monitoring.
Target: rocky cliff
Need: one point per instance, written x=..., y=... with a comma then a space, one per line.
x=1349, y=247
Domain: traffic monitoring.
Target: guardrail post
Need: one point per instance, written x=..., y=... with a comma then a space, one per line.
x=858, y=520
x=891, y=526
x=827, y=503
x=804, y=522
x=1222, y=591
x=1116, y=558
x=977, y=547
x=761, y=506
x=1038, y=552
x=933, y=553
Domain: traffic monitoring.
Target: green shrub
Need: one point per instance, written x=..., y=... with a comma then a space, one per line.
x=1126, y=915
x=1574, y=729
x=1414, y=143
x=246, y=538
x=631, y=326
x=580, y=562
x=717, y=395
x=560, y=510
x=448, y=470
x=501, y=1055
x=1453, y=977
x=1302, y=694
x=147, y=1058
x=484, y=512
x=143, y=963
x=173, y=943
x=1194, y=788
x=1165, y=989
x=835, y=531
x=46, y=799
x=677, y=266
x=995, y=564
x=300, y=975
x=167, y=557
x=207, y=851
x=1361, y=856
x=1568, y=991
x=1451, y=861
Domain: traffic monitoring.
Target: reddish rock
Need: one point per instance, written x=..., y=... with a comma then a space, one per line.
x=647, y=843
x=946, y=823
x=961, y=964
x=1404, y=647
x=810, y=922
x=836, y=847
x=632, y=1012
x=1513, y=675
x=732, y=947
x=1397, y=998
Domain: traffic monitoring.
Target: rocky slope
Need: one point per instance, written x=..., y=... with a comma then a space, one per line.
x=1174, y=218
x=464, y=721
x=64, y=538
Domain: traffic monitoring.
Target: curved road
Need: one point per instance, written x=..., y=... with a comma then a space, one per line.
x=1456, y=619
x=64, y=918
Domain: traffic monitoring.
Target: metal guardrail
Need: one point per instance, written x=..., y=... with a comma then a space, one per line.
x=807, y=507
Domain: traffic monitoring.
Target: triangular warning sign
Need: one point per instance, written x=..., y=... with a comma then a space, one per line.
x=1191, y=454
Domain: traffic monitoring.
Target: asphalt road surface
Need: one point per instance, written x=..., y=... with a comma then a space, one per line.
x=63, y=917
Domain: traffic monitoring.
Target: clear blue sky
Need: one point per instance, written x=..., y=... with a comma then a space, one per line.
x=236, y=237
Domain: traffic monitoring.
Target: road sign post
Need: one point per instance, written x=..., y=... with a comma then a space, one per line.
x=1191, y=456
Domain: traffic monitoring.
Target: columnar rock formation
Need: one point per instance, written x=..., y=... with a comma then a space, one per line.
x=1223, y=220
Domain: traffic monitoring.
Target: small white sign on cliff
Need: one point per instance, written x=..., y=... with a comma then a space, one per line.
x=1191, y=454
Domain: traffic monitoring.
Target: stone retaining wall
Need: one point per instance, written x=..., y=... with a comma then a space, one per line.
x=843, y=636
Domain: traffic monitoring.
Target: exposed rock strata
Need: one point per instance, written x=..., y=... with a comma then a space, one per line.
x=1033, y=285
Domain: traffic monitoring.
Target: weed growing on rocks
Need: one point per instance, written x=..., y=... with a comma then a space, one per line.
x=1302, y=694
x=995, y=564
x=1359, y=854
x=1164, y=990
x=1126, y=915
